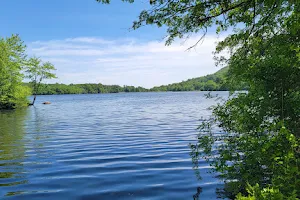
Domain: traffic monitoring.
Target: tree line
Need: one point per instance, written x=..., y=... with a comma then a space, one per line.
x=212, y=82
x=88, y=88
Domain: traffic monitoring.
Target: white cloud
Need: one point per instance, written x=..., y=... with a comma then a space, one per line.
x=126, y=61
x=89, y=40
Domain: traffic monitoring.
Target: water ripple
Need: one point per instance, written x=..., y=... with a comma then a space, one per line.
x=107, y=146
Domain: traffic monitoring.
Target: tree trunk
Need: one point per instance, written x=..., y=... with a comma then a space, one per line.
x=34, y=99
x=32, y=104
x=35, y=88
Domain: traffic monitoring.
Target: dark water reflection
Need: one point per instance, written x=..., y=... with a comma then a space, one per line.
x=12, y=149
x=108, y=146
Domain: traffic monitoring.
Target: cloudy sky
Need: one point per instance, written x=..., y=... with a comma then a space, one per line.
x=90, y=43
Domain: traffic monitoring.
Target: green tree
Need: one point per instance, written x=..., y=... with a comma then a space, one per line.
x=260, y=128
x=210, y=82
x=12, y=57
x=37, y=71
x=210, y=85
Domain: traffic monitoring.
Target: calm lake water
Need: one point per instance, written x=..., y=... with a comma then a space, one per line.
x=104, y=146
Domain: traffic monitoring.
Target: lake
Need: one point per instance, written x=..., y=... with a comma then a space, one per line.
x=105, y=146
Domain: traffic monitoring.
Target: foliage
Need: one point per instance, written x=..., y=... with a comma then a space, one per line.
x=12, y=58
x=88, y=88
x=37, y=71
x=262, y=129
x=259, y=143
x=184, y=17
x=216, y=81
x=13, y=65
x=255, y=193
x=267, y=155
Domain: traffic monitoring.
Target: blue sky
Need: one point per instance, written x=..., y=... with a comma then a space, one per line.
x=89, y=43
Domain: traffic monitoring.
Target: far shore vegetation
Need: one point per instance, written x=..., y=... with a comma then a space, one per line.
x=212, y=82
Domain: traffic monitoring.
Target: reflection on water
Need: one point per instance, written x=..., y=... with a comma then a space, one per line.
x=108, y=146
x=196, y=196
x=12, y=151
x=20, y=155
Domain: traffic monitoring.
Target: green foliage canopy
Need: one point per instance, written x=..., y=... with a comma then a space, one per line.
x=184, y=17
x=212, y=82
x=14, y=67
x=37, y=71
x=87, y=88
x=12, y=59
x=216, y=81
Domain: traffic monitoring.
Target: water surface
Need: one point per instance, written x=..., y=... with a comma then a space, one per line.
x=104, y=146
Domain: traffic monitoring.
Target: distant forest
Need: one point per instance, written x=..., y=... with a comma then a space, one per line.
x=212, y=82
